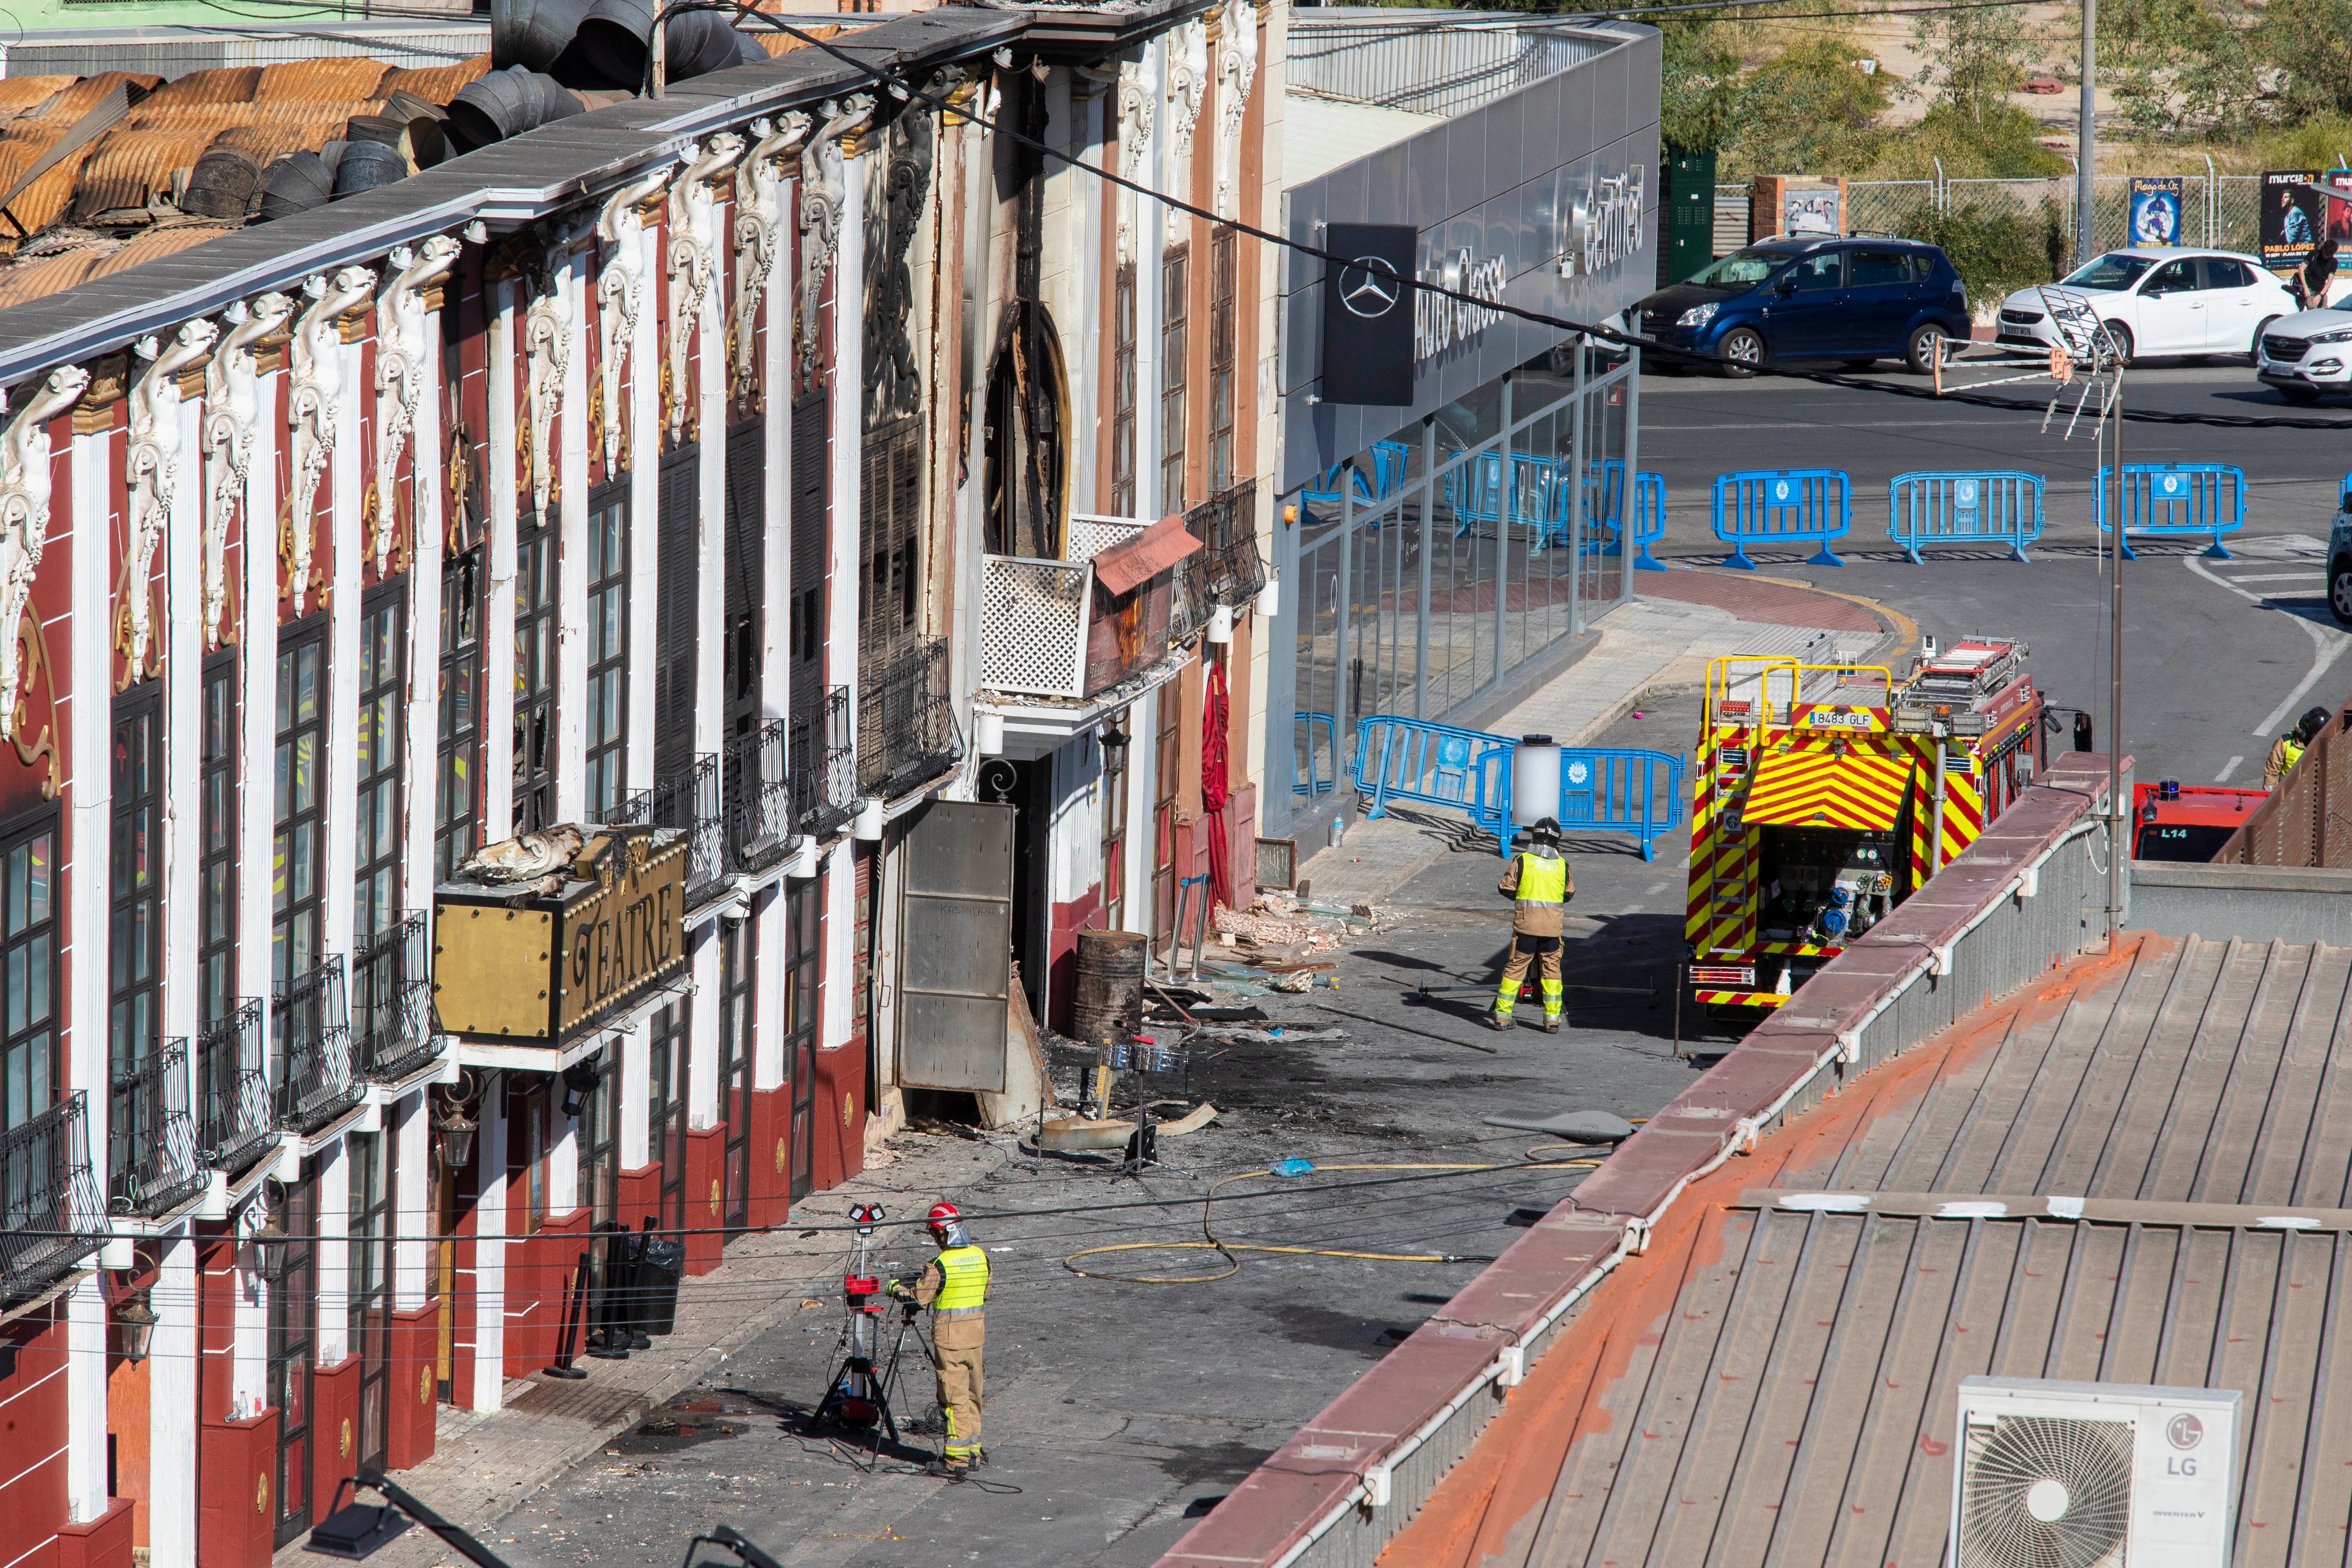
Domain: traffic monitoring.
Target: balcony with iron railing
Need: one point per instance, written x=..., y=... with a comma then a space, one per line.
x=150, y=1141
x=51, y=1217
x=758, y=790
x=822, y=755
x=1073, y=628
x=687, y=802
x=907, y=733
x=236, y=1124
x=310, y=1040
x=391, y=1003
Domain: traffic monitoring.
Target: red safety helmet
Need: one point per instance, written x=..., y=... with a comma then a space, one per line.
x=943, y=1216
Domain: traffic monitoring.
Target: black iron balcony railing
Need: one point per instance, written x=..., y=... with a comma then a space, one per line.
x=1226, y=526
x=391, y=1003
x=236, y=1124
x=50, y=1214
x=823, y=771
x=906, y=724
x=759, y=799
x=687, y=801
x=310, y=1031
x=151, y=1142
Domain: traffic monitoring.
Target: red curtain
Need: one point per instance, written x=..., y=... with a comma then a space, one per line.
x=1213, y=791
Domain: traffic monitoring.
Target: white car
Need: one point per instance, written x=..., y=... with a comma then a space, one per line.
x=2306, y=354
x=2160, y=301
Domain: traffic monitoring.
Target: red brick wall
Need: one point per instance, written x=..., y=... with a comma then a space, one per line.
x=32, y=1438
x=410, y=1405
x=232, y=1493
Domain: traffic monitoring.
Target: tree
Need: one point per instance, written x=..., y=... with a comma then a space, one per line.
x=1975, y=59
x=1809, y=110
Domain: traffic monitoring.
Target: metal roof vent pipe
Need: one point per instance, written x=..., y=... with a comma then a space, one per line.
x=222, y=184
x=532, y=33
x=295, y=183
x=365, y=166
x=612, y=40
x=507, y=103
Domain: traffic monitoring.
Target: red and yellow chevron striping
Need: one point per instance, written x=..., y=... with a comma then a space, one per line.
x=1863, y=791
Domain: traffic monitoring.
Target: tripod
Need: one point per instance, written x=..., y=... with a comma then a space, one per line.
x=862, y=1388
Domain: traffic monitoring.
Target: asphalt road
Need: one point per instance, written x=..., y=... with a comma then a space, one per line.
x=2218, y=656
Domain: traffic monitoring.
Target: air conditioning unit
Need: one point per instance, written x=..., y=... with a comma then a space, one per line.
x=2092, y=1475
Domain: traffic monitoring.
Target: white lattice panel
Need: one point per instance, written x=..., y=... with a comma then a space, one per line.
x=1089, y=535
x=1033, y=620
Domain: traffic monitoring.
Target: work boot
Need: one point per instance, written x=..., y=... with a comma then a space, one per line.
x=1498, y=1020
x=1551, y=1023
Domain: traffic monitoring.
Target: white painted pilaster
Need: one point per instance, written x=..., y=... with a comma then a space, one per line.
x=410, y=1127
x=498, y=630
x=332, y=1251
x=491, y=1231
x=348, y=542
x=256, y=750
x=172, y=1401
x=85, y=1480
x=643, y=451
x=428, y=537
x=571, y=573
x=634, y=1135
x=89, y=721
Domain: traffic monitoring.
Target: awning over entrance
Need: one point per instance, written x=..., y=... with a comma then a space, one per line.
x=1862, y=791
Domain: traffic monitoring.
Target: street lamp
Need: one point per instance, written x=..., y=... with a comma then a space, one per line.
x=1114, y=750
x=137, y=1321
x=270, y=1255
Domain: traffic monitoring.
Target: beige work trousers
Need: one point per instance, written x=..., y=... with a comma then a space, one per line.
x=959, y=1344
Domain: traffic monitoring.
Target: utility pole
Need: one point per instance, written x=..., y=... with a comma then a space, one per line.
x=2086, y=136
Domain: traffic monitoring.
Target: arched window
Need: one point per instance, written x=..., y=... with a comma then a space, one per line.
x=1025, y=472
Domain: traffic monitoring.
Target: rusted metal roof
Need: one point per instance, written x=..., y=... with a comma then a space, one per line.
x=1773, y=1384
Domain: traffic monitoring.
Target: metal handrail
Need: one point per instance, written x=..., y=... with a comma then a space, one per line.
x=759, y=798
x=51, y=1217
x=822, y=755
x=906, y=732
x=235, y=1124
x=688, y=801
x=392, y=1002
x=310, y=1031
x=151, y=1143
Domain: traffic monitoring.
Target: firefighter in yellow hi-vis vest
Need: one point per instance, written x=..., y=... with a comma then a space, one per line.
x=954, y=1285
x=1539, y=887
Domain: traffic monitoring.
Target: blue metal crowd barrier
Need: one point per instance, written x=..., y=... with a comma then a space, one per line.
x=1649, y=512
x=1478, y=491
x=2178, y=500
x=1431, y=764
x=1940, y=507
x=1782, y=506
x=1314, y=783
x=1385, y=478
x=1602, y=789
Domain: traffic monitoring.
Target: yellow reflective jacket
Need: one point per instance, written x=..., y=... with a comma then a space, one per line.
x=956, y=1282
x=1538, y=885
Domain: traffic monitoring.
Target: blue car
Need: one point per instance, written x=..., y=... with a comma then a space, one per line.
x=1855, y=300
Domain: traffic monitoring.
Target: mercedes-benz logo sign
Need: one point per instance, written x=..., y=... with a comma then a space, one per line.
x=1369, y=287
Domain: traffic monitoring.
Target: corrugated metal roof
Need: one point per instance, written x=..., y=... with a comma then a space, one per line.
x=1767, y=1385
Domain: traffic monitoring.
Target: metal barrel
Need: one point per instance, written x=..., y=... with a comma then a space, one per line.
x=613, y=40
x=222, y=184
x=532, y=33
x=365, y=166
x=296, y=184
x=1108, y=1000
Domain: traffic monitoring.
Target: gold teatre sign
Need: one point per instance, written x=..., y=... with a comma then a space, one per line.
x=546, y=970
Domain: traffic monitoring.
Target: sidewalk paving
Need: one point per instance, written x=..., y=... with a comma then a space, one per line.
x=1656, y=643
x=483, y=1464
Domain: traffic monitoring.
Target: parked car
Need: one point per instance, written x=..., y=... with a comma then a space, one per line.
x=2339, y=560
x=2304, y=355
x=1852, y=300
x=2159, y=300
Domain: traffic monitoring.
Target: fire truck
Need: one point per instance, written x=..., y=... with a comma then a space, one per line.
x=2172, y=822
x=1826, y=795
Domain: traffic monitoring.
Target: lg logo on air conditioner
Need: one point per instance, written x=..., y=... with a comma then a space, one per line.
x=2184, y=1431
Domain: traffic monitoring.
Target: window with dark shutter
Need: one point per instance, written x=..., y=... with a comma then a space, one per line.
x=746, y=469
x=674, y=617
x=889, y=553
x=808, y=524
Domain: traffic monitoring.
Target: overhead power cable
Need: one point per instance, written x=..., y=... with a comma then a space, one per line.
x=899, y=90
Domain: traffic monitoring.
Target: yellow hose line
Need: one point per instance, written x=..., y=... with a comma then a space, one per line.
x=1227, y=1248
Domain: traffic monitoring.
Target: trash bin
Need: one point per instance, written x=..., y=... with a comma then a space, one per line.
x=661, y=1264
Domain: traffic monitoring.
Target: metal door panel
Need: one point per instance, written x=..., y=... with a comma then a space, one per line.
x=955, y=968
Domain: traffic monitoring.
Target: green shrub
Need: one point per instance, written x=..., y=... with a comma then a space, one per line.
x=1994, y=252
